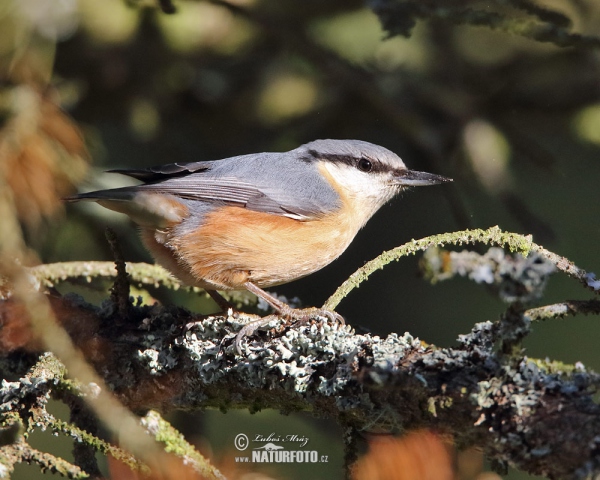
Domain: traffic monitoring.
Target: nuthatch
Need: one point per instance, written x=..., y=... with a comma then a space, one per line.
x=264, y=219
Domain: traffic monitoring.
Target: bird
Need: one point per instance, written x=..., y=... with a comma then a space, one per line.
x=259, y=220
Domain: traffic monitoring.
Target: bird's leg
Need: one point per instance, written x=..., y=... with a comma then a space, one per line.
x=223, y=304
x=296, y=315
x=292, y=313
x=278, y=305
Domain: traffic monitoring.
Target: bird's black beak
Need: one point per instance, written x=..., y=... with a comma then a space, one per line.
x=412, y=178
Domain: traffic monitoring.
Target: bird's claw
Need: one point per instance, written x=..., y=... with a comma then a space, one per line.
x=294, y=316
x=331, y=315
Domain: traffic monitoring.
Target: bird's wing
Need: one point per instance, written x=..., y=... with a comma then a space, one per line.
x=164, y=172
x=196, y=182
x=233, y=191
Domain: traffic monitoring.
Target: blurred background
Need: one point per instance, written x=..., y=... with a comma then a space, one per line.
x=86, y=86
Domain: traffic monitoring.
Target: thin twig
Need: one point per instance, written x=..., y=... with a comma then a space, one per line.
x=563, y=309
x=22, y=452
x=47, y=276
x=175, y=443
x=493, y=236
x=84, y=453
x=140, y=273
x=119, y=293
x=111, y=412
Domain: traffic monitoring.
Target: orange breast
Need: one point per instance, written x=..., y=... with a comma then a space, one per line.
x=235, y=245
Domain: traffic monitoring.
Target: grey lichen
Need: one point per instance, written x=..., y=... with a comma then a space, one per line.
x=296, y=360
x=592, y=282
x=35, y=385
x=503, y=402
x=513, y=407
x=513, y=276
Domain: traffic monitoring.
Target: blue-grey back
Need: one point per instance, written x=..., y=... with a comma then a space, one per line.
x=278, y=183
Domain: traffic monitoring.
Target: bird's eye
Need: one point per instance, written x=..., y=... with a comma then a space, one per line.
x=365, y=165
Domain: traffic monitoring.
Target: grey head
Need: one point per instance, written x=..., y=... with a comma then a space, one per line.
x=370, y=158
x=367, y=174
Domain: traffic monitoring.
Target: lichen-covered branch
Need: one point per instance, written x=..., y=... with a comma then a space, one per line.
x=140, y=274
x=29, y=309
x=513, y=277
x=22, y=452
x=523, y=413
x=176, y=444
x=492, y=236
x=26, y=399
x=563, y=309
x=143, y=273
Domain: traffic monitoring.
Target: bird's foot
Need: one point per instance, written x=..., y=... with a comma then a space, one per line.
x=293, y=317
x=302, y=315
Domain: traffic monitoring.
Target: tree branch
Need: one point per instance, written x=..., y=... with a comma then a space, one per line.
x=523, y=413
x=492, y=236
x=543, y=25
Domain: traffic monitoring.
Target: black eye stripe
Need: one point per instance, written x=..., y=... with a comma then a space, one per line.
x=376, y=166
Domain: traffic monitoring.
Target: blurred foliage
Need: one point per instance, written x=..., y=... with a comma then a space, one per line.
x=503, y=96
x=418, y=455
